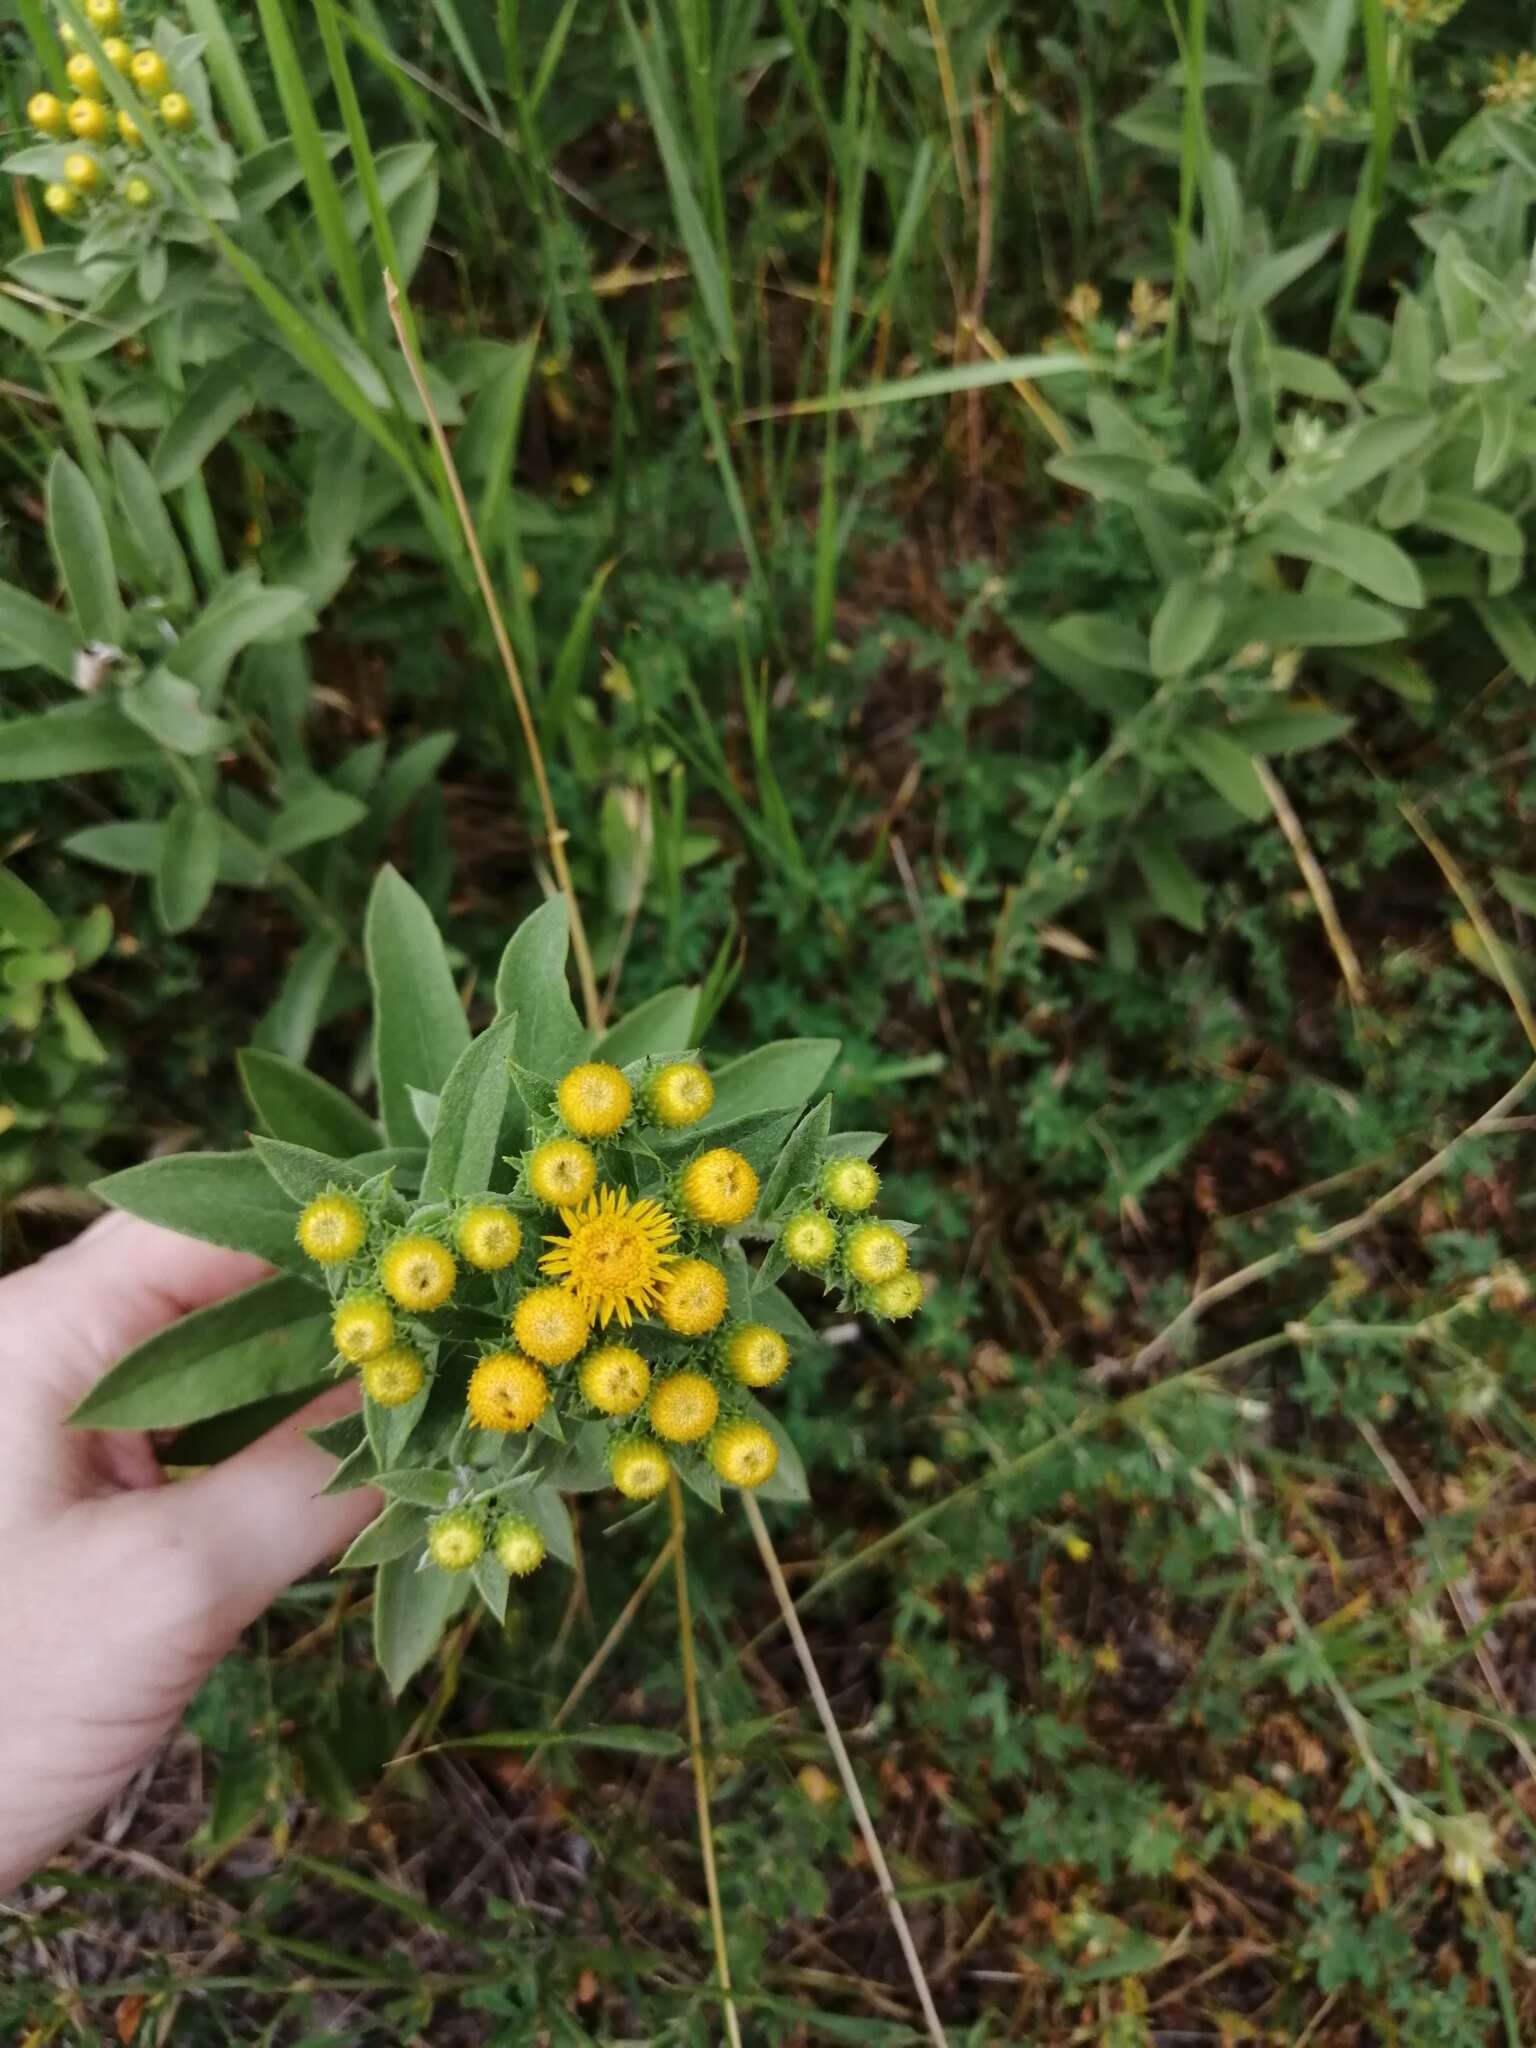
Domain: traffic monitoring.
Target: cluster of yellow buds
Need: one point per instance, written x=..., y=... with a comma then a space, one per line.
x=1512, y=82
x=604, y=1296
x=835, y=1237
x=104, y=165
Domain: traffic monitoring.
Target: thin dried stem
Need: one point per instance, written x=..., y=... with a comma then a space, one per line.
x=1316, y=880
x=616, y=1634
x=1492, y=944
x=845, y=1770
x=553, y=831
x=696, y=1753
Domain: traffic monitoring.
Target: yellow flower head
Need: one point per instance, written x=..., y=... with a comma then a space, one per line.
x=562, y=1173
x=518, y=1546
x=394, y=1377
x=850, y=1185
x=103, y=15
x=743, y=1453
x=418, y=1272
x=67, y=35
x=900, y=1297
x=683, y=1407
x=551, y=1325
x=83, y=76
x=489, y=1236
x=639, y=1469
x=809, y=1240
x=362, y=1327
x=332, y=1227
x=694, y=1298
x=148, y=73
x=875, y=1253
x=594, y=1099
x=88, y=120
x=46, y=113
x=756, y=1355
x=176, y=110
x=118, y=53
x=679, y=1094
x=455, y=1540
x=139, y=192
x=614, y=1256
x=59, y=199
x=129, y=131
x=507, y=1393
x=615, y=1379
x=719, y=1188
x=82, y=173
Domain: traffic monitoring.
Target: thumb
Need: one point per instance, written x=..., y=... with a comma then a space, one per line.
x=259, y=1521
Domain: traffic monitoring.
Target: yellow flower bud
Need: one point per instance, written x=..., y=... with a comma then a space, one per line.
x=875, y=1253
x=518, y=1546
x=394, y=1377
x=550, y=1325
x=418, y=1272
x=507, y=1393
x=562, y=1173
x=60, y=200
x=129, y=131
x=743, y=1453
x=594, y=1100
x=683, y=1407
x=148, y=71
x=900, y=1297
x=694, y=1297
x=83, y=76
x=118, y=53
x=850, y=1185
x=639, y=1469
x=103, y=15
x=809, y=1240
x=332, y=1227
x=756, y=1355
x=679, y=1093
x=176, y=110
x=719, y=1188
x=139, y=192
x=615, y=1379
x=88, y=120
x=455, y=1540
x=362, y=1327
x=82, y=172
x=489, y=1236
x=46, y=113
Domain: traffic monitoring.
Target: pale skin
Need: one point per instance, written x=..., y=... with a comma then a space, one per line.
x=119, y=1592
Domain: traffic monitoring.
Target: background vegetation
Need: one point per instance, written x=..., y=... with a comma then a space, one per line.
x=1012, y=520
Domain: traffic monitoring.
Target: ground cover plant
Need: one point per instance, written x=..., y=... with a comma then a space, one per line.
x=1005, y=533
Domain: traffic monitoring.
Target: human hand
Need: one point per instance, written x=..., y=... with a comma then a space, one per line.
x=119, y=1593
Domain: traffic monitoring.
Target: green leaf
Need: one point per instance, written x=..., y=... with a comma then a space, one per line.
x=77, y=533
x=465, y=1139
x=1186, y=623
x=225, y=1198
x=531, y=980
x=411, y=1609
x=189, y=865
x=39, y=635
x=789, y=1483
x=550, y=1515
x=1365, y=556
x=1368, y=451
x=241, y=612
x=1109, y=642
x=24, y=916
x=219, y=398
x=298, y=1106
x=421, y=1485
x=1176, y=891
x=133, y=846
x=1473, y=521
x=419, y=1026
x=149, y=524
x=627, y=1740
x=301, y=1172
x=1510, y=629
x=273, y=1339
x=1518, y=890
x=319, y=814
x=170, y=710
x=1289, y=731
x=783, y=1075
x=800, y=1161
x=1297, y=619
x=664, y=1023
x=1227, y=768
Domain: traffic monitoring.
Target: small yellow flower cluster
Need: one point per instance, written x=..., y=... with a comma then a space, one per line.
x=870, y=1257
x=88, y=175
x=1513, y=82
x=458, y=1538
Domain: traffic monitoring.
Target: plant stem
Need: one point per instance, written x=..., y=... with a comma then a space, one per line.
x=696, y=1754
x=844, y=1768
x=553, y=831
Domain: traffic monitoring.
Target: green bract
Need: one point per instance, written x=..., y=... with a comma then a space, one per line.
x=461, y=1114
